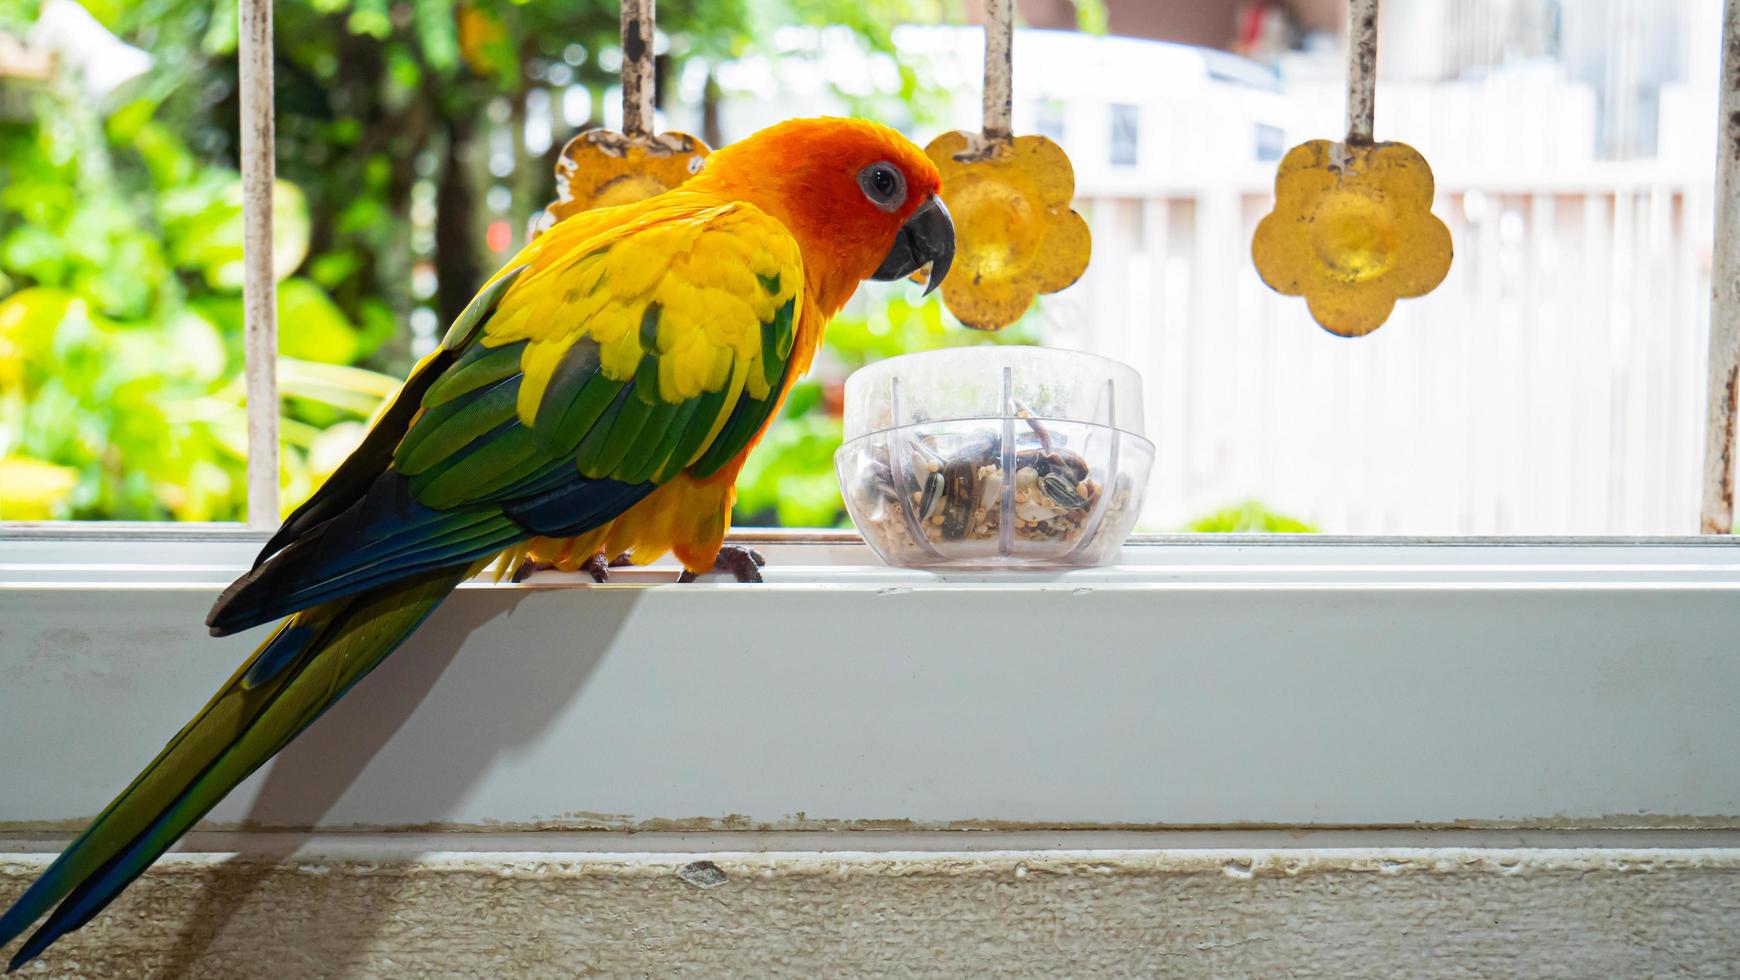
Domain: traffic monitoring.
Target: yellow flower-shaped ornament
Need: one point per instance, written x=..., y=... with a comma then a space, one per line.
x=1015, y=234
x=1352, y=231
x=601, y=169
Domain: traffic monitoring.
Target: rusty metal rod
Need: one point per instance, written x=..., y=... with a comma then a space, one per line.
x=259, y=285
x=999, y=67
x=1361, y=68
x=1724, y=366
x=637, y=68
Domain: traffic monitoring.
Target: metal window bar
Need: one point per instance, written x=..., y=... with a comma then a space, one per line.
x=1724, y=366
x=1361, y=69
x=638, y=85
x=999, y=68
x=259, y=286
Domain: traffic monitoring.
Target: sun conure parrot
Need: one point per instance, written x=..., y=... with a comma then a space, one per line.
x=599, y=396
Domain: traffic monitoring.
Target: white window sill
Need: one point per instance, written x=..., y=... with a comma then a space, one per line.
x=179, y=555
x=1203, y=682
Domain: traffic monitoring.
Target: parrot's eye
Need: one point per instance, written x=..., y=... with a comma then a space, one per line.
x=883, y=185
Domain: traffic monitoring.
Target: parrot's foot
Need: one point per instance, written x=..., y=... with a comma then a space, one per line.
x=595, y=566
x=744, y=564
x=599, y=569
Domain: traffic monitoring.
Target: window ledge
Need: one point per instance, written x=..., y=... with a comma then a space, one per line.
x=175, y=556
x=1203, y=682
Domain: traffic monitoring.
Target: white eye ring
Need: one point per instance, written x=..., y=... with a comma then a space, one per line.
x=884, y=184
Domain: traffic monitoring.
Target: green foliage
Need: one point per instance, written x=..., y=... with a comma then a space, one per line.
x=1249, y=517
x=120, y=321
x=1091, y=16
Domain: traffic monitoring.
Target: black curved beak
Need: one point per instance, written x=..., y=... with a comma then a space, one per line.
x=927, y=237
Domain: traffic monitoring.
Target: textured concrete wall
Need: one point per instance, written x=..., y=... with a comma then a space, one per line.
x=1451, y=912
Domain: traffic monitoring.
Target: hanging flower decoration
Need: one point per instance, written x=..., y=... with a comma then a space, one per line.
x=1352, y=230
x=601, y=169
x=1352, y=236
x=1017, y=235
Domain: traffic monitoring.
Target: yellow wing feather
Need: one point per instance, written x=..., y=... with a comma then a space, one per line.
x=716, y=273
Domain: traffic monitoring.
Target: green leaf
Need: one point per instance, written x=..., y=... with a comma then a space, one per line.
x=198, y=346
x=311, y=326
x=290, y=228
x=221, y=33
x=35, y=252
x=124, y=123
x=351, y=389
x=1249, y=517
x=378, y=326
x=334, y=267
x=33, y=490
x=405, y=74
x=205, y=228
x=29, y=320
x=370, y=17
x=164, y=155
x=437, y=33
x=1091, y=16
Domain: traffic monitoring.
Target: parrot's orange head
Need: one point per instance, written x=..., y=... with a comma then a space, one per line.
x=859, y=197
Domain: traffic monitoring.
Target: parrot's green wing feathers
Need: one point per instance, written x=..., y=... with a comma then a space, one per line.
x=354, y=476
x=615, y=358
x=670, y=346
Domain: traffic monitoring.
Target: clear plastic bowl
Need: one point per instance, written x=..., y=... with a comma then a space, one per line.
x=994, y=456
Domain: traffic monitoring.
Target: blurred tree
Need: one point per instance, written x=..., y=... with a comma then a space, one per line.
x=120, y=241
x=372, y=95
x=120, y=323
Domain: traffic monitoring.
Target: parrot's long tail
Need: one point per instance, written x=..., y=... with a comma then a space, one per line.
x=307, y=664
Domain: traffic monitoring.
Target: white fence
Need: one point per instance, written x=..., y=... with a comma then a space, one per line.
x=1552, y=385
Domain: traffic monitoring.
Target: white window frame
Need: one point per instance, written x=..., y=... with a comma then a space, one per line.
x=1205, y=681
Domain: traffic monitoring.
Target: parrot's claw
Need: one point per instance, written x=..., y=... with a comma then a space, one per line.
x=744, y=564
x=599, y=569
x=595, y=566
